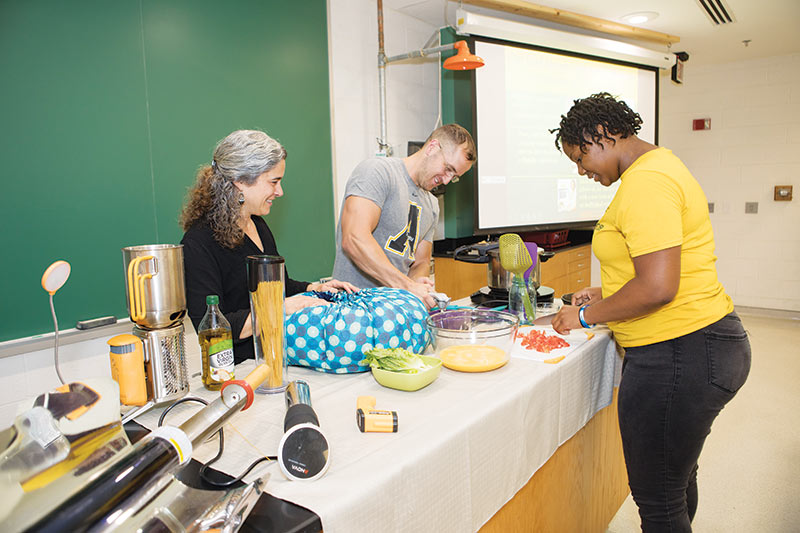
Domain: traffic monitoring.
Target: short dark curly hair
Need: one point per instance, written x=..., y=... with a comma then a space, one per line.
x=579, y=126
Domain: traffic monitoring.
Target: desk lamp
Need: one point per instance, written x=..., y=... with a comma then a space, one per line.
x=53, y=279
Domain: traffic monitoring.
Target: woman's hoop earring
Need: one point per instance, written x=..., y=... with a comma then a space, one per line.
x=241, y=198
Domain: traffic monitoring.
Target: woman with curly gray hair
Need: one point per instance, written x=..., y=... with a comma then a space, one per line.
x=223, y=224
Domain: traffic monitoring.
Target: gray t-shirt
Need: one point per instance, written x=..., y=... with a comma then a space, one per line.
x=408, y=215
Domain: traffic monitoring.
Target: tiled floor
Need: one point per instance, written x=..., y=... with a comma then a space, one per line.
x=749, y=475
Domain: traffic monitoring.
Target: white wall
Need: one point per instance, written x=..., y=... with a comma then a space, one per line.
x=25, y=376
x=753, y=145
x=412, y=86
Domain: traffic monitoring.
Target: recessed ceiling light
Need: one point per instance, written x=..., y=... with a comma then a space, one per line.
x=640, y=17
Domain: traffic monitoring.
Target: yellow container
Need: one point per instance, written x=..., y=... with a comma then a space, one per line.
x=127, y=368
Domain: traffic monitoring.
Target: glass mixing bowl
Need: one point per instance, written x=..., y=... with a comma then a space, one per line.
x=455, y=327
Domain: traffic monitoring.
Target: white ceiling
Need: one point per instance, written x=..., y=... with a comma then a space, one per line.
x=771, y=26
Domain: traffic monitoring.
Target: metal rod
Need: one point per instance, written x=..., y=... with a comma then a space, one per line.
x=138, y=411
x=208, y=420
x=383, y=146
x=297, y=392
x=434, y=38
x=380, y=27
x=420, y=53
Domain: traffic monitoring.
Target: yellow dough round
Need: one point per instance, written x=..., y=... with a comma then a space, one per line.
x=473, y=358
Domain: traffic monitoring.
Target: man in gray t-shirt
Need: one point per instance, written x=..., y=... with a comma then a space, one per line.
x=385, y=231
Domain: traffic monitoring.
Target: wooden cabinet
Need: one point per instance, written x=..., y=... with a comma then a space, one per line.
x=458, y=279
x=569, y=270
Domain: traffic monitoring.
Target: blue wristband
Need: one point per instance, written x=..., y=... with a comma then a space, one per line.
x=583, y=320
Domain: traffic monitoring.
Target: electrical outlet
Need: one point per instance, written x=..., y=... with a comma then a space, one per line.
x=751, y=207
x=710, y=207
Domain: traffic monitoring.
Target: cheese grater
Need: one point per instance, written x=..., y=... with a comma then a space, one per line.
x=165, y=364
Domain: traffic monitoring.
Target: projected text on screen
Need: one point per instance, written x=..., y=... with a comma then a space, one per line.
x=522, y=179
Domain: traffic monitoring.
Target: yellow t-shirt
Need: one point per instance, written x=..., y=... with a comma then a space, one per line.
x=659, y=205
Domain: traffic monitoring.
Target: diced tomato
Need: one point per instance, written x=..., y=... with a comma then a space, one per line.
x=542, y=342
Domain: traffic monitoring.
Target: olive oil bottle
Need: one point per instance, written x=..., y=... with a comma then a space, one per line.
x=216, y=345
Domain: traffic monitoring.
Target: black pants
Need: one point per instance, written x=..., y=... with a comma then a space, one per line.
x=670, y=394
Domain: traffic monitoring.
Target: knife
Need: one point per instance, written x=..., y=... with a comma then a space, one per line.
x=545, y=320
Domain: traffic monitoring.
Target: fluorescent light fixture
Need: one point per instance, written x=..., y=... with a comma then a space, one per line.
x=640, y=18
x=475, y=24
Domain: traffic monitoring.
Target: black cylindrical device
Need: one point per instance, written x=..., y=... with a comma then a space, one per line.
x=303, y=453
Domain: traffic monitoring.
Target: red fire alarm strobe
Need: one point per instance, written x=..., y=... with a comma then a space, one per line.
x=701, y=124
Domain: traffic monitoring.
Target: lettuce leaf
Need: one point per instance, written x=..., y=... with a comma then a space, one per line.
x=396, y=360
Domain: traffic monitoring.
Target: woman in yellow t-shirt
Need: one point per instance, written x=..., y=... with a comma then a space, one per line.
x=686, y=352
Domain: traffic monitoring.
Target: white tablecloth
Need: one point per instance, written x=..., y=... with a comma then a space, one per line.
x=466, y=443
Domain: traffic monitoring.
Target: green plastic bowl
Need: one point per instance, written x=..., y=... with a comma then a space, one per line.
x=409, y=382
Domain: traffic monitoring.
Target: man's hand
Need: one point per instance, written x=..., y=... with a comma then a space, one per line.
x=422, y=289
x=425, y=280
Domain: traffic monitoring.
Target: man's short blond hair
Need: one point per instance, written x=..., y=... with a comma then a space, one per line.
x=453, y=135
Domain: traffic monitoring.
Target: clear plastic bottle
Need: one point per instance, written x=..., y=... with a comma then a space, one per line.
x=216, y=345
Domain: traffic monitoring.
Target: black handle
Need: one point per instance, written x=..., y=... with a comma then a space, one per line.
x=544, y=256
x=299, y=413
x=483, y=249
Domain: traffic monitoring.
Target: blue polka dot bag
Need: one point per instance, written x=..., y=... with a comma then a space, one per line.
x=334, y=338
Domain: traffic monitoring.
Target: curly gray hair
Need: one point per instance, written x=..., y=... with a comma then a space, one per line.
x=241, y=157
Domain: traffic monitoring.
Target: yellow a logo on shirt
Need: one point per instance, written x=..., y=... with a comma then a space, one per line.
x=408, y=237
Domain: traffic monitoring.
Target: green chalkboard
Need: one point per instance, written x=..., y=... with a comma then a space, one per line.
x=109, y=108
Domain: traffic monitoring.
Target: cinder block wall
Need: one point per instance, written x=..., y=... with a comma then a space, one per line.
x=753, y=145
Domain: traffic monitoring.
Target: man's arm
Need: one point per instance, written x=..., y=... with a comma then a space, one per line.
x=421, y=268
x=359, y=219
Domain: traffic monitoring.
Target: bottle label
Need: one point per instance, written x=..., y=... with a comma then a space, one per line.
x=220, y=360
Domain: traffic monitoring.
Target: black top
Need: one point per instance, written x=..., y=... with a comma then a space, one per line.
x=210, y=268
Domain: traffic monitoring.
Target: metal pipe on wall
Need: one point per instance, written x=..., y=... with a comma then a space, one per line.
x=383, y=146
